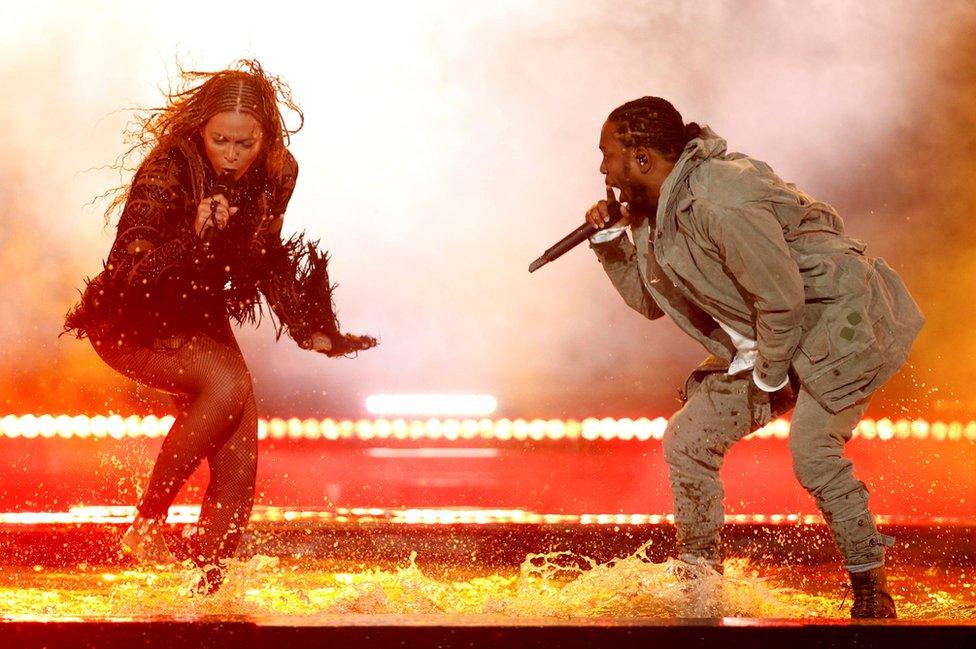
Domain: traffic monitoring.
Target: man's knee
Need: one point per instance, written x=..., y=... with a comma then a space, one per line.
x=808, y=473
x=808, y=465
x=679, y=441
x=821, y=470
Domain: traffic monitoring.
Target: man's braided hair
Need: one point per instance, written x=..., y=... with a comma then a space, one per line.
x=654, y=123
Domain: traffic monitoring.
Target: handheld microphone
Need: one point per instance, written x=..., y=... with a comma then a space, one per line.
x=577, y=236
x=223, y=185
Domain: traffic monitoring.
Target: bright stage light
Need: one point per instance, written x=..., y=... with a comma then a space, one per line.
x=591, y=430
x=190, y=514
x=470, y=405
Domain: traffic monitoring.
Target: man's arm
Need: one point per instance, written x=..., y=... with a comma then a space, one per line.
x=750, y=241
x=619, y=259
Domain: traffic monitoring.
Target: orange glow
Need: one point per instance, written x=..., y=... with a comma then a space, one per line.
x=592, y=430
x=787, y=100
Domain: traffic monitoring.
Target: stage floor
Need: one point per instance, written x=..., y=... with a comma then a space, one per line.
x=294, y=566
x=448, y=633
x=370, y=580
x=332, y=556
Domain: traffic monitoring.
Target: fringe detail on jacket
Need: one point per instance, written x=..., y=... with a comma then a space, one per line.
x=301, y=298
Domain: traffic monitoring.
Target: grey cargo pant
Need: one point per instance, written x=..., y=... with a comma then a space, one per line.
x=717, y=415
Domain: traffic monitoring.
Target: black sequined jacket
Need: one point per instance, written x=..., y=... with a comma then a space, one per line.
x=161, y=283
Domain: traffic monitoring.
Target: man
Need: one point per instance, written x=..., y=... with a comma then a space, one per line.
x=793, y=314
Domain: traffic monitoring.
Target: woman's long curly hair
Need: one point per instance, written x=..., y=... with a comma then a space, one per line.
x=244, y=86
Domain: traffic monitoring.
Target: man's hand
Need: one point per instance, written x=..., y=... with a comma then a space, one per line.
x=599, y=216
x=761, y=407
x=765, y=405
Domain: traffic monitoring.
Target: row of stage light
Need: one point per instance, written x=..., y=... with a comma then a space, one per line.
x=447, y=430
x=188, y=514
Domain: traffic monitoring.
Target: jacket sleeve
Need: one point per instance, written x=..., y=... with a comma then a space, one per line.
x=619, y=259
x=278, y=280
x=295, y=282
x=751, y=243
x=155, y=250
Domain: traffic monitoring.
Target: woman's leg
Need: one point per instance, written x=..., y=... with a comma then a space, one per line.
x=216, y=382
x=229, y=498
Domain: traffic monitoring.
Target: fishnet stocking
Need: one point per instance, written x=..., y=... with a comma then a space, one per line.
x=217, y=420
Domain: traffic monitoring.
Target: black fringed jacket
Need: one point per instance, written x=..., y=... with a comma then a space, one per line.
x=161, y=283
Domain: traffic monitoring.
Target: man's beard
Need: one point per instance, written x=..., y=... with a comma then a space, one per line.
x=640, y=202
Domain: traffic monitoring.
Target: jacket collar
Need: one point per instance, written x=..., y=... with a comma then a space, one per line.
x=708, y=145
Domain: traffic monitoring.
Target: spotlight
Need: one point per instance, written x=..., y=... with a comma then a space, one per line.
x=470, y=405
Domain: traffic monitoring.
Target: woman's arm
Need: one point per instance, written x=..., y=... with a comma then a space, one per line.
x=280, y=267
x=295, y=281
x=155, y=247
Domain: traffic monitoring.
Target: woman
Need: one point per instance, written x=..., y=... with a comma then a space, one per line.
x=197, y=240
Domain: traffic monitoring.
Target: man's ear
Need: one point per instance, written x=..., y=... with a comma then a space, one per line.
x=643, y=158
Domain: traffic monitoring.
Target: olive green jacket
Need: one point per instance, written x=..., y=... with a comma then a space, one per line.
x=732, y=242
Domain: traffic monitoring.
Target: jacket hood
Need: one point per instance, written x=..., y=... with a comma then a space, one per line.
x=705, y=146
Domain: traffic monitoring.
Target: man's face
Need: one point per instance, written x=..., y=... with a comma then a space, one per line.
x=621, y=170
x=233, y=141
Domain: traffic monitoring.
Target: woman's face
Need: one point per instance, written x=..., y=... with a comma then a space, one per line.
x=233, y=141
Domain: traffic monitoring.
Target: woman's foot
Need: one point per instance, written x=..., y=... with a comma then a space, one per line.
x=144, y=542
x=211, y=578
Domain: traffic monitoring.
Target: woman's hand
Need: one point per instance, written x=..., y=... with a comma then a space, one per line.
x=218, y=207
x=599, y=216
x=320, y=343
x=342, y=345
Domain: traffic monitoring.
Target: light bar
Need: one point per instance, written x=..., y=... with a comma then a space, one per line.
x=450, y=430
x=188, y=514
x=432, y=405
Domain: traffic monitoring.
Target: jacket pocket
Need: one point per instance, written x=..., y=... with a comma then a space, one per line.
x=849, y=380
x=816, y=345
x=845, y=376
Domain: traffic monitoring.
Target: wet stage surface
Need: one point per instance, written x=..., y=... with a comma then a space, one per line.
x=309, y=591
x=478, y=585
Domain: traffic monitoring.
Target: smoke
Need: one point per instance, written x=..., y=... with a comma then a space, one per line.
x=447, y=145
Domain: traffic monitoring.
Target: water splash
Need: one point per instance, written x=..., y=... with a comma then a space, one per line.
x=554, y=586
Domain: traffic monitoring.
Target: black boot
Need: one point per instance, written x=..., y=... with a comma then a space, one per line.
x=871, y=596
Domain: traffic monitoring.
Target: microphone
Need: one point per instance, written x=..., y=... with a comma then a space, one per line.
x=223, y=185
x=577, y=236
